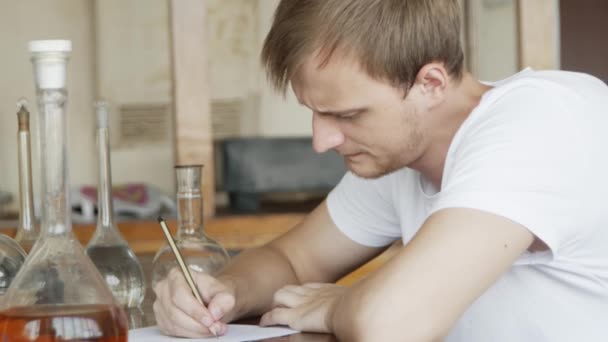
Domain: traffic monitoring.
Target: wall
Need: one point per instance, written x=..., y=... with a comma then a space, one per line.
x=133, y=67
x=492, y=38
x=121, y=53
x=278, y=116
x=20, y=22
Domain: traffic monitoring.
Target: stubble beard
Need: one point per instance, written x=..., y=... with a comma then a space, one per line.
x=380, y=168
x=393, y=162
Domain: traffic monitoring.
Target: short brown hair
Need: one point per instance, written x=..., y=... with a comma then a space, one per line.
x=391, y=39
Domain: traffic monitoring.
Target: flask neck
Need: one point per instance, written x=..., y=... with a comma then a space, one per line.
x=55, y=201
x=27, y=225
x=104, y=191
x=190, y=216
x=189, y=202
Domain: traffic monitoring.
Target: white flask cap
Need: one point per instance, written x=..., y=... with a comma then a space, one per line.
x=50, y=46
x=50, y=62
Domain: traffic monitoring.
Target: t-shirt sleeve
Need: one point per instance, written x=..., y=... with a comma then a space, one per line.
x=363, y=211
x=527, y=162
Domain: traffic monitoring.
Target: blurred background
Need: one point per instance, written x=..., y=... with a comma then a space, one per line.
x=258, y=157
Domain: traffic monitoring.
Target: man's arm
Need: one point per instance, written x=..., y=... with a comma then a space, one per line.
x=313, y=251
x=420, y=293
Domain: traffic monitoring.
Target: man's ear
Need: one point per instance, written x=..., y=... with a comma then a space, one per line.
x=432, y=81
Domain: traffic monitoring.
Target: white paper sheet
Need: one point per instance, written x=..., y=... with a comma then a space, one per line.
x=236, y=333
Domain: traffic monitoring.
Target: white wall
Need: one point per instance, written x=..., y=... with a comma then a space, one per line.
x=121, y=53
x=278, y=116
x=133, y=67
x=493, y=38
x=20, y=22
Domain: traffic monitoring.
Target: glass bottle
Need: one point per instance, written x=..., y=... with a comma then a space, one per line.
x=201, y=253
x=27, y=231
x=108, y=250
x=58, y=294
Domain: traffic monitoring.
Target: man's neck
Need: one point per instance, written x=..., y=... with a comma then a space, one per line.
x=447, y=118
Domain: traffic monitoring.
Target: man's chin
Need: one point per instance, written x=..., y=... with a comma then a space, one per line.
x=367, y=173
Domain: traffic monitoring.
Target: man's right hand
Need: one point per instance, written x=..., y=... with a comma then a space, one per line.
x=178, y=313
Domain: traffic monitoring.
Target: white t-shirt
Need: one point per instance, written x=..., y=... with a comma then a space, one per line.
x=535, y=150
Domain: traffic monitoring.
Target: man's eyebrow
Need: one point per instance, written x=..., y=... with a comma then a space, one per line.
x=334, y=112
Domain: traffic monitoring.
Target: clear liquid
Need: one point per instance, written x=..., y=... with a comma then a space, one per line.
x=49, y=323
x=121, y=271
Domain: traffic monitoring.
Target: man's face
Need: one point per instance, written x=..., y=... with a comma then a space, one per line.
x=369, y=122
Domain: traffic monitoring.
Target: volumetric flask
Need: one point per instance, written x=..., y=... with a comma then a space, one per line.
x=108, y=250
x=27, y=231
x=201, y=253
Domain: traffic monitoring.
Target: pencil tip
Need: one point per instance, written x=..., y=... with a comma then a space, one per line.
x=160, y=219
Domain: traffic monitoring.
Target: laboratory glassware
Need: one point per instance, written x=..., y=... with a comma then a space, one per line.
x=27, y=230
x=12, y=257
x=58, y=294
x=108, y=250
x=200, y=252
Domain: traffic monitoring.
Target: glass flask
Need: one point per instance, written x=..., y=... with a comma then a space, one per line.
x=12, y=257
x=201, y=253
x=108, y=250
x=137, y=318
x=58, y=294
x=27, y=231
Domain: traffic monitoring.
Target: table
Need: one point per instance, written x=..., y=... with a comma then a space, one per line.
x=234, y=233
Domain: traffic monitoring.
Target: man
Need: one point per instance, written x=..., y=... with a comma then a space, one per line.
x=497, y=191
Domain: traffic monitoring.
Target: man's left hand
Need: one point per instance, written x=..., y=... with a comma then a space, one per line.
x=305, y=308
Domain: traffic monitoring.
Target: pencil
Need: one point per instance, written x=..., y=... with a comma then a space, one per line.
x=182, y=265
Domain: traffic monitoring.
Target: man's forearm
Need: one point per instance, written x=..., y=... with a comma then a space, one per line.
x=357, y=316
x=254, y=288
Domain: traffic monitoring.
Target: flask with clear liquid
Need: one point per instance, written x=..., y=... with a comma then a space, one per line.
x=27, y=231
x=58, y=294
x=108, y=250
x=200, y=253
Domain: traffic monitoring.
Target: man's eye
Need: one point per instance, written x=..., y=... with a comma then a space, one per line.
x=348, y=115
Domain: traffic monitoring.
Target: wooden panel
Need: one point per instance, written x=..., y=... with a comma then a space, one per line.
x=233, y=232
x=583, y=45
x=193, y=134
x=538, y=34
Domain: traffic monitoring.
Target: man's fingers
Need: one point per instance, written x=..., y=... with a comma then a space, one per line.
x=207, y=285
x=179, y=295
x=288, y=297
x=277, y=316
x=218, y=297
x=161, y=320
x=180, y=314
x=188, y=326
x=176, y=323
x=299, y=289
x=220, y=304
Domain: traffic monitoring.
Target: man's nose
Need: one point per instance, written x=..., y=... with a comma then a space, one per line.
x=326, y=133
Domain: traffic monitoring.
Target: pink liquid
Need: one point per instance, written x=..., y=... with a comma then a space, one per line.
x=82, y=323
